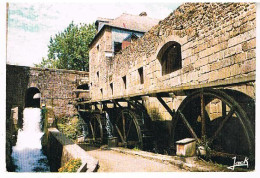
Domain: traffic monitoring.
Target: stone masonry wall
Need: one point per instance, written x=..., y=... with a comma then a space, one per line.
x=98, y=62
x=218, y=42
x=56, y=87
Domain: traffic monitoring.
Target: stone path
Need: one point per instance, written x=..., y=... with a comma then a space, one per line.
x=113, y=161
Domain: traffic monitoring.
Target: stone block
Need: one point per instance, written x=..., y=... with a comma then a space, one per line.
x=248, y=66
x=203, y=77
x=224, y=73
x=235, y=70
x=251, y=44
x=201, y=62
x=216, y=56
x=233, y=50
x=112, y=142
x=186, y=147
x=239, y=57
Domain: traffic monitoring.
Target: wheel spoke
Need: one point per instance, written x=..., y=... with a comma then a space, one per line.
x=203, y=120
x=188, y=125
x=123, y=126
x=129, y=128
x=222, y=124
x=120, y=134
x=92, y=130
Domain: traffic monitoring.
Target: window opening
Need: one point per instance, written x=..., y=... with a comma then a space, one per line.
x=117, y=47
x=141, y=75
x=124, y=81
x=170, y=57
x=98, y=75
x=111, y=87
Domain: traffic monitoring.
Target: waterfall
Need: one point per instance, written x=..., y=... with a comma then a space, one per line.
x=27, y=153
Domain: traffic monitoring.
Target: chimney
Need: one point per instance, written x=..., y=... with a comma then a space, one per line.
x=143, y=14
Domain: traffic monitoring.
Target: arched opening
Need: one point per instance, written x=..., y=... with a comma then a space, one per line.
x=32, y=97
x=170, y=57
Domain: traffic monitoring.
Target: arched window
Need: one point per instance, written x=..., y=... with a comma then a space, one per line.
x=170, y=57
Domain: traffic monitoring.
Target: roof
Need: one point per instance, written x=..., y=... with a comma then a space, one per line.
x=101, y=19
x=134, y=22
x=129, y=22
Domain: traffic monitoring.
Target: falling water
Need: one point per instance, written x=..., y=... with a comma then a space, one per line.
x=27, y=154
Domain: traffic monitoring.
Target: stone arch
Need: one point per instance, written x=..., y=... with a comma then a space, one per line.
x=166, y=48
x=32, y=97
x=170, y=57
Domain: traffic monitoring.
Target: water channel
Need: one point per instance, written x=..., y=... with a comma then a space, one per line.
x=27, y=154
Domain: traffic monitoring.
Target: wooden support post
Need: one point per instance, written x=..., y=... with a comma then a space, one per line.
x=165, y=105
x=203, y=119
x=104, y=106
x=116, y=103
x=224, y=109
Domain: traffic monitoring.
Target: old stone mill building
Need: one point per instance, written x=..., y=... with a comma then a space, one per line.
x=152, y=83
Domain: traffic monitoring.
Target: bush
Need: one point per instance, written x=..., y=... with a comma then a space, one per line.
x=70, y=126
x=71, y=166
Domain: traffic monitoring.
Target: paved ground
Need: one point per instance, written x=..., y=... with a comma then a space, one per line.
x=120, y=159
x=113, y=161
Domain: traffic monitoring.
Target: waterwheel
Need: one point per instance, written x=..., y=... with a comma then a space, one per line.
x=219, y=124
x=127, y=129
x=95, y=131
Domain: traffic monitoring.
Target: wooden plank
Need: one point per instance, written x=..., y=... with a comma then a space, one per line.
x=219, y=83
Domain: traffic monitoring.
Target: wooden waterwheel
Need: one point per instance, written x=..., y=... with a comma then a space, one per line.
x=95, y=130
x=218, y=122
x=127, y=129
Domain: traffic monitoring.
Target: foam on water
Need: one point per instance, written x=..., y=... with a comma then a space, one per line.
x=27, y=153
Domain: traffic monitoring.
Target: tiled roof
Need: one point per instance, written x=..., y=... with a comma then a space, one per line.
x=134, y=22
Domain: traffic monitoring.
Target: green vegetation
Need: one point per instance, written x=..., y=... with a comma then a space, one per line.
x=71, y=166
x=70, y=49
x=70, y=126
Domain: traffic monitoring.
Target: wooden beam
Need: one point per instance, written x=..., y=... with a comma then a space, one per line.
x=180, y=89
x=165, y=106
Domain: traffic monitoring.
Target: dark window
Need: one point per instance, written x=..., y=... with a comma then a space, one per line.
x=98, y=75
x=124, y=81
x=83, y=87
x=141, y=75
x=111, y=87
x=117, y=47
x=101, y=91
x=170, y=57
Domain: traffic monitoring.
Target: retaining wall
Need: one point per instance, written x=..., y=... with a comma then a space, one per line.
x=60, y=150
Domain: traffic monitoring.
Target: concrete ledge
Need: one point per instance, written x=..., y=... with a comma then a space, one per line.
x=69, y=150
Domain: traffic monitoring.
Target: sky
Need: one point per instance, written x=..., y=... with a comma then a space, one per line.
x=30, y=25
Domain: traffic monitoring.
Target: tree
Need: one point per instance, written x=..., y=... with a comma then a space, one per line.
x=70, y=49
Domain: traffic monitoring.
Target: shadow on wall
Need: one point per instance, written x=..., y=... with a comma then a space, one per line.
x=17, y=79
x=162, y=132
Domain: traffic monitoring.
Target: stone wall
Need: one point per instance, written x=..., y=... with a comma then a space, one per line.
x=97, y=61
x=218, y=43
x=56, y=87
x=61, y=150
